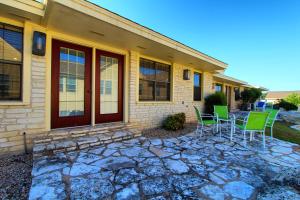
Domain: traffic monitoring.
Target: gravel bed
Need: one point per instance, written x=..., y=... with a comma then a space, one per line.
x=161, y=133
x=15, y=176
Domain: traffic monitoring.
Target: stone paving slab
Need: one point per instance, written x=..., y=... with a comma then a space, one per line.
x=187, y=167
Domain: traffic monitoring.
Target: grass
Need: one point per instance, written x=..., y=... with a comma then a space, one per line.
x=283, y=131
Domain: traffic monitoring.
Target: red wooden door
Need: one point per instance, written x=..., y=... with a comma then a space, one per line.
x=109, y=87
x=70, y=85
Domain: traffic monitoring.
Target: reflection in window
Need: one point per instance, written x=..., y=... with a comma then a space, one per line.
x=154, y=83
x=109, y=73
x=71, y=82
x=197, y=86
x=218, y=87
x=11, y=53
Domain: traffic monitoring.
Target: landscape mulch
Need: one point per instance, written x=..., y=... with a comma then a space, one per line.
x=15, y=176
x=161, y=133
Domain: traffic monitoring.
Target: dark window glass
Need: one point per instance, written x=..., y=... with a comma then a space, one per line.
x=162, y=91
x=71, y=84
x=237, y=94
x=11, y=55
x=146, y=90
x=218, y=87
x=197, y=86
x=154, y=84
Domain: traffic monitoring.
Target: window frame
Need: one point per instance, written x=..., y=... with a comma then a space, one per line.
x=201, y=85
x=20, y=63
x=221, y=85
x=170, y=82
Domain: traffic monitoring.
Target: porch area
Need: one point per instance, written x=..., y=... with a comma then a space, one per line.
x=210, y=167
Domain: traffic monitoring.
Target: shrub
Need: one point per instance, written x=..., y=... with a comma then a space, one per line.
x=217, y=98
x=293, y=98
x=285, y=105
x=249, y=96
x=174, y=122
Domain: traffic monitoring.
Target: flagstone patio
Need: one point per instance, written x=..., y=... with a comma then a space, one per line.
x=210, y=167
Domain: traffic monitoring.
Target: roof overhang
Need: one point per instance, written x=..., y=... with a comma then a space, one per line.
x=263, y=89
x=23, y=10
x=230, y=80
x=83, y=19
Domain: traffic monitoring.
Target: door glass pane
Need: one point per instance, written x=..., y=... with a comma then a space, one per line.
x=108, y=85
x=71, y=82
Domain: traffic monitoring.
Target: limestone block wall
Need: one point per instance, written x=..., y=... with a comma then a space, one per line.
x=16, y=119
x=151, y=114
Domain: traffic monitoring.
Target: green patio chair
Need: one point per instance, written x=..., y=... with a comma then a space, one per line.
x=271, y=120
x=254, y=122
x=205, y=120
x=222, y=114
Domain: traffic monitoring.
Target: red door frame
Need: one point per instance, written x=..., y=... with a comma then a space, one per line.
x=59, y=122
x=102, y=118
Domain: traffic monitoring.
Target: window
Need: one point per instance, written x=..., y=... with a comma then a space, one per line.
x=71, y=84
x=11, y=57
x=197, y=87
x=237, y=93
x=154, y=83
x=218, y=87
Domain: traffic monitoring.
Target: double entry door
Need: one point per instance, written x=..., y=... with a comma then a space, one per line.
x=71, y=86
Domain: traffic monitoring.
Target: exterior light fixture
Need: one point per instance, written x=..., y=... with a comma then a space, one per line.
x=39, y=43
x=186, y=74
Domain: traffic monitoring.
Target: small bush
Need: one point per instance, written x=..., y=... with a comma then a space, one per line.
x=249, y=96
x=285, y=105
x=174, y=122
x=217, y=98
x=294, y=99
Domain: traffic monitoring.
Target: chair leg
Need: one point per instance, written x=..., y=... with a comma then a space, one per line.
x=234, y=128
x=264, y=139
x=251, y=133
x=202, y=131
x=245, y=142
x=271, y=130
x=231, y=132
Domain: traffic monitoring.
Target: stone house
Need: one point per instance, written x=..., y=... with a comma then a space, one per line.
x=70, y=63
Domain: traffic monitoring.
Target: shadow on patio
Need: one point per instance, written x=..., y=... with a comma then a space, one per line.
x=174, y=168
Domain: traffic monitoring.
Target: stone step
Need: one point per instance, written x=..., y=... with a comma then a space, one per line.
x=81, y=138
x=64, y=133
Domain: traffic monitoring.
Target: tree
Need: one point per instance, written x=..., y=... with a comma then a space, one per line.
x=249, y=96
x=293, y=98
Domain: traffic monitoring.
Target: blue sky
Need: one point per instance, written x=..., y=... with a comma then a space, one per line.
x=259, y=39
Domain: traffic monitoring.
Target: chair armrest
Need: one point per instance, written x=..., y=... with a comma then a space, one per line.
x=205, y=114
x=242, y=120
x=232, y=116
x=209, y=116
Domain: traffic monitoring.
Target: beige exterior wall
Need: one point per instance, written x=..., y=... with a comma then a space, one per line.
x=16, y=119
x=32, y=114
x=151, y=114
